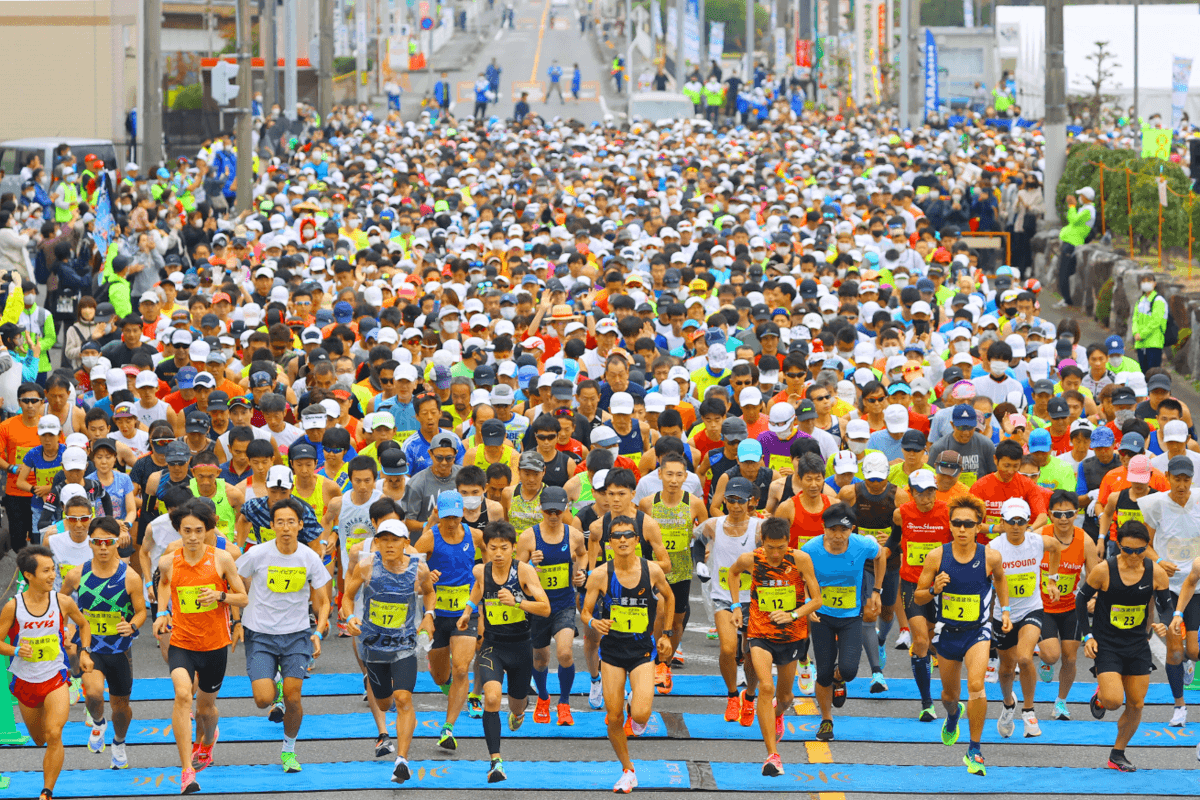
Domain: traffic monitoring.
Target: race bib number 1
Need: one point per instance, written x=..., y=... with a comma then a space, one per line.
x=629, y=619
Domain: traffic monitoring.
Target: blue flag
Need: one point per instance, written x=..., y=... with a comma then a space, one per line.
x=105, y=229
x=932, y=101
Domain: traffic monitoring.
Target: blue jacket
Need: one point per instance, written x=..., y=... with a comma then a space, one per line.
x=493, y=76
x=441, y=91
x=575, y=79
x=481, y=91
x=555, y=74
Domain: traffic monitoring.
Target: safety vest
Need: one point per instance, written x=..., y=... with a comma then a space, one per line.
x=226, y=516
x=692, y=92
x=714, y=97
x=71, y=195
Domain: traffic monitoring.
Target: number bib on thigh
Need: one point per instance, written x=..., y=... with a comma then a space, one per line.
x=1127, y=617
x=189, y=599
x=103, y=623
x=286, y=579
x=776, y=598
x=388, y=615
x=629, y=619
x=960, y=607
x=452, y=598
x=555, y=576
x=843, y=597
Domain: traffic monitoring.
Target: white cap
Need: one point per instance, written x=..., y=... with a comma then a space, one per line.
x=781, y=417
x=656, y=403
x=920, y=307
x=896, y=418
x=150, y=297
x=314, y=416
x=279, y=477
x=1015, y=508
x=480, y=397
x=750, y=396
x=98, y=373
x=621, y=403
x=864, y=353
x=394, y=527
x=875, y=466
x=858, y=429
x=74, y=458
x=1175, y=431
x=922, y=479
x=198, y=351
x=845, y=462
x=144, y=379
x=49, y=424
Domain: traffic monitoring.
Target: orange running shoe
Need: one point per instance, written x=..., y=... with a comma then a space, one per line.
x=564, y=714
x=541, y=711
x=663, y=680
x=747, y=712
x=733, y=709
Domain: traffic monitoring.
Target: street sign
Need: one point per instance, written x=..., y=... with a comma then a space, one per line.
x=426, y=23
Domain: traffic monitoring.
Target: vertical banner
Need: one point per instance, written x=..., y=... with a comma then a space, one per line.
x=341, y=34
x=691, y=32
x=360, y=36
x=1181, y=75
x=104, y=228
x=672, y=29
x=780, y=50
x=931, y=74
x=716, y=40
x=656, y=21
x=968, y=13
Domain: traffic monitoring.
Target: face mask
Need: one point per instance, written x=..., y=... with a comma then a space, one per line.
x=757, y=255
x=352, y=224
x=1124, y=416
x=827, y=280
x=29, y=195
x=901, y=245
x=472, y=503
x=1115, y=361
x=339, y=208
x=858, y=448
x=1010, y=312
x=901, y=281
x=325, y=204
x=891, y=350
x=1147, y=286
x=162, y=213
x=997, y=368
x=828, y=315
x=876, y=234
x=508, y=312
x=451, y=326
x=90, y=361
x=373, y=240
x=721, y=262
x=843, y=247
x=962, y=347
x=29, y=300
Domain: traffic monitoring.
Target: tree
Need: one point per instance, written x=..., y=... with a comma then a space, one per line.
x=1105, y=61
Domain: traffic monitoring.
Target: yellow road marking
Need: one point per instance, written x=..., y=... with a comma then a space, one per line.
x=819, y=753
x=805, y=708
x=537, y=55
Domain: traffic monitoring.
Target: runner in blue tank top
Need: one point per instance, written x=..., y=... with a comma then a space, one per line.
x=962, y=576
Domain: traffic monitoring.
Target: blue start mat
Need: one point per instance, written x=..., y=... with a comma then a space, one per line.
x=933, y=781
x=351, y=683
x=559, y=776
x=362, y=726
x=911, y=731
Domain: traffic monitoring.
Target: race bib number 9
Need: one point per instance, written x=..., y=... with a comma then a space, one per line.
x=452, y=598
x=776, y=598
x=629, y=619
x=960, y=607
x=841, y=597
x=189, y=599
x=499, y=614
x=555, y=576
x=286, y=579
x=388, y=615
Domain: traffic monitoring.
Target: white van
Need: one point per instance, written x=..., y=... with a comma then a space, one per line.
x=657, y=106
x=14, y=154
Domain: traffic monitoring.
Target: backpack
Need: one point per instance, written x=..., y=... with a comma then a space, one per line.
x=41, y=271
x=100, y=293
x=1171, y=334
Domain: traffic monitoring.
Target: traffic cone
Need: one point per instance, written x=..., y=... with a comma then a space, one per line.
x=8, y=707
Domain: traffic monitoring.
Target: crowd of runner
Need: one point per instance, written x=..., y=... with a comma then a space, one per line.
x=465, y=395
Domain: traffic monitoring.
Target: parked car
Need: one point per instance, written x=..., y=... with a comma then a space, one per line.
x=14, y=153
x=656, y=106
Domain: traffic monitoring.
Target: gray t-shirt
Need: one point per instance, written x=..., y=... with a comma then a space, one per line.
x=977, y=456
x=420, y=495
x=279, y=587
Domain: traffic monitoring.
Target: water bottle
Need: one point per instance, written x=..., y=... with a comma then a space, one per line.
x=424, y=642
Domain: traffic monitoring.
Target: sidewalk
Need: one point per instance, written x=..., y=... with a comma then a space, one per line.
x=453, y=58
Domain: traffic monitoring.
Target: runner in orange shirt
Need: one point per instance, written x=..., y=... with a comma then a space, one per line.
x=1131, y=445
x=1003, y=484
x=19, y=435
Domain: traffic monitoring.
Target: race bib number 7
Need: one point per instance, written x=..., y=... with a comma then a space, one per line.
x=286, y=579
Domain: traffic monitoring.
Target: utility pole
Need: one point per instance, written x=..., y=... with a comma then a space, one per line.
x=1135, y=61
x=749, y=76
x=325, y=57
x=289, y=58
x=150, y=121
x=859, y=85
x=831, y=77
x=245, y=148
x=680, y=71
x=267, y=33
x=1055, y=127
x=912, y=77
x=629, y=55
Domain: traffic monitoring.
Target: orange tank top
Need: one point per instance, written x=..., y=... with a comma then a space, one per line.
x=196, y=626
x=775, y=589
x=919, y=534
x=805, y=524
x=1070, y=566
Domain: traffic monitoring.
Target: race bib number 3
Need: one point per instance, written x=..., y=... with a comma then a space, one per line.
x=286, y=579
x=189, y=599
x=776, y=598
x=1021, y=585
x=104, y=623
x=555, y=576
x=841, y=597
x=960, y=607
x=452, y=598
x=43, y=648
x=1127, y=617
x=499, y=614
x=388, y=615
x=629, y=619
x=917, y=552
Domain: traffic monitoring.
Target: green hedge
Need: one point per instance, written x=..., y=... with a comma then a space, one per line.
x=1082, y=170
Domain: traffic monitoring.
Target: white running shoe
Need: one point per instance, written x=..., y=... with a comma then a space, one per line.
x=596, y=696
x=1178, y=717
x=627, y=783
x=904, y=640
x=993, y=671
x=1031, y=724
x=119, y=761
x=96, y=739
x=805, y=681
x=741, y=676
x=1006, y=722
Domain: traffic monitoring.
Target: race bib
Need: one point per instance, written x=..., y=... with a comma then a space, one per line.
x=743, y=579
x=776, y=598
x=960, y=607
x=1127, y=617
x=555, y=576
x=968, y=478
x=1066, y=584
x=629, y=619
x=608, y=552
x=780, y=463
x=189, y=599
x=917, y=552
x=880, y=534
x=452, y=598
x=388, y=615
x=63, y=569
x=499, y=614
x=1021, y=585
x=842, y=597
x=989, y=523
x=286, y=579
x=265, y=535
x=103, y=623
x=676, y=541
x=353, y=540
x=44, y=648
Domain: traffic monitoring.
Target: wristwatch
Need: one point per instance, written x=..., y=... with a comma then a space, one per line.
x=222, y=597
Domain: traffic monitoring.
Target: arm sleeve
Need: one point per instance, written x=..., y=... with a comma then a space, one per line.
x=13, y=307
x=1081, y=613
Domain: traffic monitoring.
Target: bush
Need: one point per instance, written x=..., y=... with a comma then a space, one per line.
x=189, y=98
x=1104, y=302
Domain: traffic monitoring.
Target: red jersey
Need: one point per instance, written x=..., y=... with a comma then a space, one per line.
x=1070, y=565
x=806, y=525
x=775, y=589
x=993, y=492
x=920, y=534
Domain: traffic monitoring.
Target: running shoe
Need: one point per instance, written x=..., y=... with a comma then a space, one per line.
x=678, y=659
x=1189, y=672
x=117, y=756
x=1061, y=712
x=805, y=681
x=515, y=721
x=1178, y=717
x=928, y=713
x=401, y=772
x=1006, y=722
x=746, y=716
x=825, y=732
x=496, y=771
x=663, y=679
x=711, y=633
x=882, y=656
x=974, y=762
x=733, y=708
x=202, y=759
x=474, y=706
x=839, y=693
x=88, y=722
x=188, y=782
x=950, y=734
x=75, y=690
x=773, y=766
x=878, y=684
x=1119, y=762
x=1045, y=672
x=741, y=676
x=289, y=761
x=446, y=739
x=778, y=721
x=904, y=640
x=627, y=782
x=1032, y=729
x=993, y=671
x=45, y=795
x=541, y=711
x=564, y=714
x=384, y=746
x=445, y=688
x=96, y=739
x=1098, y=711
x=596, y=695
x=276, y=713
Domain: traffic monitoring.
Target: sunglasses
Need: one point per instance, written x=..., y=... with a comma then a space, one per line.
x=820, y=399
x=443, y=459
x=736, y=500
x=1133, y=551
x=104, y=542
x=338, y=450
x=622, y=535
x=963, y=523
x=84, y=518
x=549, y=437
x=28, y=401
x=1062, y=514
x=162, y=442
x=552, y=511
x=1019, y=521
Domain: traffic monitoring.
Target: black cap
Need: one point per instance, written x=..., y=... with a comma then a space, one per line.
x=105, y=443
x=770, y=329
x=393, y=462
x=808, y=288
x=198, y=422
x=839, y=515
x=1123, y=396
x=209, y=321
x=740, y=487
x=806, y=410
x=1181, y=465
x=671, y=277
x=1057, y=408
x=952, y=375
x=760, y=311
x=554, y=498
x=302, y=450
x=562, y=389
x=1044, y=386
x=484, y=377
x=912, y=440
x=177, y=452
x=492, y=432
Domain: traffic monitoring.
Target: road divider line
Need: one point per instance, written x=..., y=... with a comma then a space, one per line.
x=537, y=54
